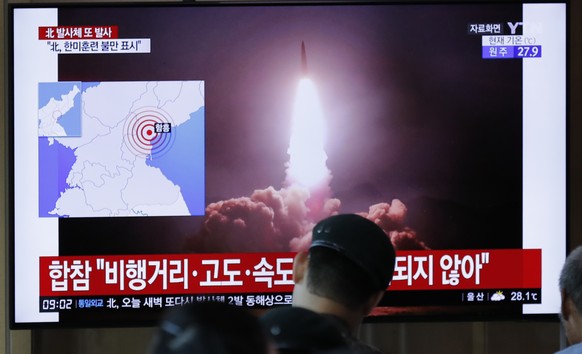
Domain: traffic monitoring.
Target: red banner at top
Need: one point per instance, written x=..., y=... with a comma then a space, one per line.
x=77, y=32
x=272, y=272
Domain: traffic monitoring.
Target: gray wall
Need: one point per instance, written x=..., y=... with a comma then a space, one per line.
x=406, y=338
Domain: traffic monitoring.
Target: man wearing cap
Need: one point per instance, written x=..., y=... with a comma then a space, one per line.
x=571, y=310
x=345, y=273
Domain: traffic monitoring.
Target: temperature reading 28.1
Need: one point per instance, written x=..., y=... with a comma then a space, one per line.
x=525, y=296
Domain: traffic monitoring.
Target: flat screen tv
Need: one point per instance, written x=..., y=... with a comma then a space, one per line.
x=165, y=153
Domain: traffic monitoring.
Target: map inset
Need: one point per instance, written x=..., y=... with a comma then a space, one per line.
x=121, y=149
x=60, y=109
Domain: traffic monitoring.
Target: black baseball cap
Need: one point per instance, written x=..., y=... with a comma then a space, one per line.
x=360, y=240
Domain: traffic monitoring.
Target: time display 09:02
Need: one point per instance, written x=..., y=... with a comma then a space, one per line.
x=57, y=304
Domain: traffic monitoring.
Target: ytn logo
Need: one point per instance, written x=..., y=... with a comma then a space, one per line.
x=529, y=29
x=513, y=26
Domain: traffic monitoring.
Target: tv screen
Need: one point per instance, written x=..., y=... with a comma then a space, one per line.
x=166, y=153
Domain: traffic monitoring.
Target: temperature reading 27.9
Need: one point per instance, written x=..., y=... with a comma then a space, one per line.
x=525, y=296
x=528, y=51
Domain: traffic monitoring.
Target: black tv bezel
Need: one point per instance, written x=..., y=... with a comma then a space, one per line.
x=9, y=148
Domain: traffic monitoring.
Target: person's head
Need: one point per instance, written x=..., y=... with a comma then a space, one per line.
x=347, y=269
x=209, y=328
x=571, y=289
x=296, y=330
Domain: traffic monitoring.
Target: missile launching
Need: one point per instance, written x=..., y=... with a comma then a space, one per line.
x=303, y=59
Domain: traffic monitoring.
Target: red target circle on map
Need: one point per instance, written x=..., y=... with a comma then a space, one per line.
x=149, y=132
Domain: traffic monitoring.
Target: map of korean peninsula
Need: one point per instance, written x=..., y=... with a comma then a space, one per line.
x=111, y=149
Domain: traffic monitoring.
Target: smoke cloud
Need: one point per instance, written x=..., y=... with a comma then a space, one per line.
x=272, y=220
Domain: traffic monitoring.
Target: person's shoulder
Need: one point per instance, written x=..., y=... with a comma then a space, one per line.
x=358, y=347
x=573, y=349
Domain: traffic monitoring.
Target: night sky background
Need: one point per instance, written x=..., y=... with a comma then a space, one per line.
x=413, y=114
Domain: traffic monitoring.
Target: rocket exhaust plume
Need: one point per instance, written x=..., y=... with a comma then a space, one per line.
x=307, y=157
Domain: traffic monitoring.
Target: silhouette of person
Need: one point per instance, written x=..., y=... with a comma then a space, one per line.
x=345, y=272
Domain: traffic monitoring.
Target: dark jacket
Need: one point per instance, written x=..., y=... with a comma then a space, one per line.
x=357, y=346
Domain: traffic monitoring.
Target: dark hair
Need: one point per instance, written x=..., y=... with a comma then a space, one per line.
x=334, y=276
x=209, y=328
x=571, y=277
